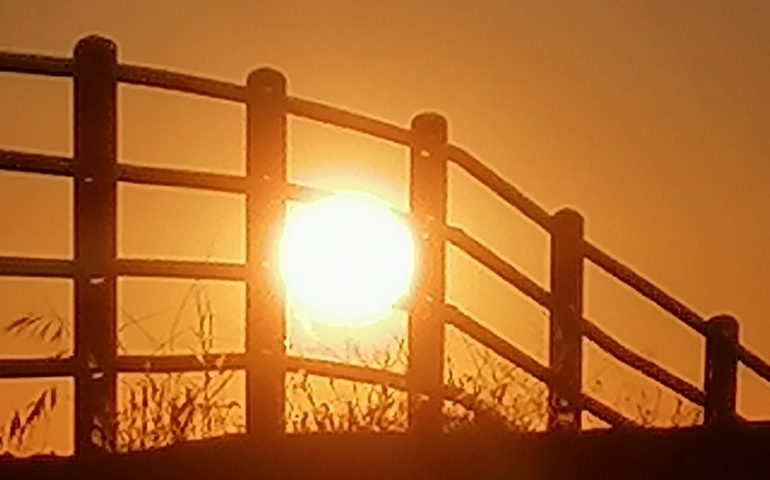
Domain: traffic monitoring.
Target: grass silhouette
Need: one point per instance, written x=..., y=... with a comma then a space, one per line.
x=156, y=409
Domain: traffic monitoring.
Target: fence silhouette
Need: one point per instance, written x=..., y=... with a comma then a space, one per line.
x=96, y=266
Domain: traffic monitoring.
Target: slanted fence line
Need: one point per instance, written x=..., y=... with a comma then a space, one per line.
x=96, y=266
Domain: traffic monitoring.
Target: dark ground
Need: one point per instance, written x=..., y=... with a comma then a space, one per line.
x=743, y=453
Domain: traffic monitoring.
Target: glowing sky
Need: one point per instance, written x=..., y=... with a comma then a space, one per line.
x=651, y=118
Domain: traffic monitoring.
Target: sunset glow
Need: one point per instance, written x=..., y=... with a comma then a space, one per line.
x=404, y=239
x=345, y=260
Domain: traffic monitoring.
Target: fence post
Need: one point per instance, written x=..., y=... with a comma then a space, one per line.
x=721, y=370
x=95, y=82
x=565, y=349
x=266, y=173
x=428, y=202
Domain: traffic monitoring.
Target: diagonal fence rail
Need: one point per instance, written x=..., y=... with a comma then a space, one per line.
x=96, y=266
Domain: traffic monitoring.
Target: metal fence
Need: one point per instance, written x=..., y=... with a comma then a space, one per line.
x=96, y=266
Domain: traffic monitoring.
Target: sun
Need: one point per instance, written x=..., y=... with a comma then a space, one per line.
x=345, y=260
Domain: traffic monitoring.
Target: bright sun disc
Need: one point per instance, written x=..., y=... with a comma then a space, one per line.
x=345, y=260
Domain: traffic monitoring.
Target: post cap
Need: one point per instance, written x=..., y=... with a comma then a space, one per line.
x=267, y=80
x=95, y=43
x=726, y=324
x=568, y=216
x=432, y=124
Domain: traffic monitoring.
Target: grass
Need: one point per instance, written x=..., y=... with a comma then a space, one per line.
x=153, y=409
x=158, y=409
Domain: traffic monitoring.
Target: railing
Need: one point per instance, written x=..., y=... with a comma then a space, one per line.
x=96, y=266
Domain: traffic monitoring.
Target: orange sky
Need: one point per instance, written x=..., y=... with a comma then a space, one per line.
x=651, y=118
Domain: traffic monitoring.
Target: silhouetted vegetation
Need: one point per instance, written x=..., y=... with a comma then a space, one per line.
x=156, y=409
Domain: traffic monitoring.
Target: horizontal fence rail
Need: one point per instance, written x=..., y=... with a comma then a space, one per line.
x=754, y=363
x=504, y=190
x=181, y=269
x=506, y=350
x=35, y=64
x=641, y=364
x=348, y=120
x=23, y=162
x=37, y=368
x=644, y=287
x=498, y=266
x=268, y=107
x=36, y=267
x=180, y=82
x=166, y=177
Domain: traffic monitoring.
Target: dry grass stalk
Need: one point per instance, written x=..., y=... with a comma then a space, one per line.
x=159, y=409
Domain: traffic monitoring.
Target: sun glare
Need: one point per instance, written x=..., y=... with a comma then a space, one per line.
x=345, y=260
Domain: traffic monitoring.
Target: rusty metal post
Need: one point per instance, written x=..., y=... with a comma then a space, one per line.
x=721, y=370
x=428, y=201
x=95, y=73
x=266, y=172
x=565, y=349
